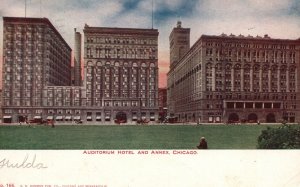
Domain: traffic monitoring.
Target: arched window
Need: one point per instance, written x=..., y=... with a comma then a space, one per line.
x=252, y=118
x=134, y=64
x=144, y=64
x=99, y=63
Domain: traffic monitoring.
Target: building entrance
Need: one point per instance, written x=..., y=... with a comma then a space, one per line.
x=271, y=118
x=233, y=117
x=121, y=117
x=252, y=118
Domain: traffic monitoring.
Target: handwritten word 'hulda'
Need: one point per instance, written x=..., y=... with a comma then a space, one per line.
x=6, y=163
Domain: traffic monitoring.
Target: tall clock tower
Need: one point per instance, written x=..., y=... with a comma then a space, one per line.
x=179, y=43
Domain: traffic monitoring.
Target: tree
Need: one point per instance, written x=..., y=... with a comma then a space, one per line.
x=284, y=137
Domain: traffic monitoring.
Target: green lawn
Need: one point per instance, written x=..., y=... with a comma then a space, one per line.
x=129, y=137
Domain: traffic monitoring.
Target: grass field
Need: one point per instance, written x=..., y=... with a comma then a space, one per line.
x=129, y=137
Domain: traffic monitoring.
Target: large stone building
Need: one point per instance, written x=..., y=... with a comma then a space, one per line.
x=34, y=56
x=120, y=73
x=234, y=78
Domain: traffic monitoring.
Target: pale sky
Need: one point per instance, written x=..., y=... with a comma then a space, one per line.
x=277, y=18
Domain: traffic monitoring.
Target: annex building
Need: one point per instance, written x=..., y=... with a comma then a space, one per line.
x=120, y=79
x=233, y=78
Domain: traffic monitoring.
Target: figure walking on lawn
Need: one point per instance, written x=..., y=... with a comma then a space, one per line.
x=203, y=144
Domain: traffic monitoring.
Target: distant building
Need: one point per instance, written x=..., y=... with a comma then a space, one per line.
x=162, y=103
x=235, y=78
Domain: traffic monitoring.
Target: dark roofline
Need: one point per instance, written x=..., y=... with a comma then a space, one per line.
x=36, y=20
x=118, y=30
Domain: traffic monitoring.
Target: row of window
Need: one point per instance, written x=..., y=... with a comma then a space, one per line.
x=121, y=40
x=250, y=45
x=250, y=53
x=120, y=64
x=22, y=27
x=252, y=96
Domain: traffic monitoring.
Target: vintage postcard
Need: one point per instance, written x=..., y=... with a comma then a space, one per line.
x=149, y=93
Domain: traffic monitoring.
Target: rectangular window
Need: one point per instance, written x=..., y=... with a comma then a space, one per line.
x=50, y=111
x=8, y=111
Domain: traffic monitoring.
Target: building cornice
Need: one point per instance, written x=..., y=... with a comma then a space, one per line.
x=111, y=30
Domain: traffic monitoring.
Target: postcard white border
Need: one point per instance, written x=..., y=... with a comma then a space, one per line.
x=206, y=168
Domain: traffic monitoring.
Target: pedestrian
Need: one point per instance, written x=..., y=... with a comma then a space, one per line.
x=52, y=123
x=202, y=144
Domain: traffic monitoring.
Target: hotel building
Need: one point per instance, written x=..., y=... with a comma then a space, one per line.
x=233, y=78
x=120, y=73
x=34, y=56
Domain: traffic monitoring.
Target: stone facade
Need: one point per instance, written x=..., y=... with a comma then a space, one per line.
x=236, y=78
x=121, y=72
x=34, y=56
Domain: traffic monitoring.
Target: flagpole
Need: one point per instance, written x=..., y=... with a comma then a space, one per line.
x=25, y=7
x=40, y=8
x=152, y=14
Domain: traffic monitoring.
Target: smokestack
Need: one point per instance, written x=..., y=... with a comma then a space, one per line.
x=77, y=59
